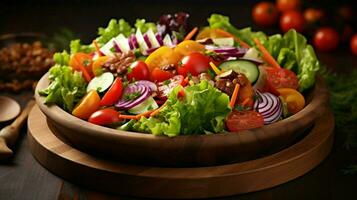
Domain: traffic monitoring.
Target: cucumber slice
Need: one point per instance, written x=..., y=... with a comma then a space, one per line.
x=227, y=42
x=101, y=83
x=148, y=104
x=248, y=68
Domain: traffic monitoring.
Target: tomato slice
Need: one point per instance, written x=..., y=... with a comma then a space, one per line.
x=113, y=94
x=161, y=57
x=97, y=65
x=165, y=87
x=187, y=47
x=106, y=116
x=139, y=71
x=158, y=75
x=294, y=99
x=244, y=120
x=88, y=105
x=281, y=78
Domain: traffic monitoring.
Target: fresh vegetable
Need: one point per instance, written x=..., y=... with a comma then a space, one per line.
x=165, y=87
x=269, y=106
x=288, y=5
x=294, y=99
x=114, y=28
x=204, y=108
x=133, y=95
x=281, y=78
x=97, y=65
x=266, y=55
x=265, y=14
x=227, y=52
x=248, y=68
x=326, y=39
x=138, y=71
x=105, y=116
x=292, y=20
x=353, y=44
x=113, y=94
x=88, y=105
x=234, y=96
x=244, y=120
x=101, y=83
x=145, y=106
x=195, y=63
x=191, y=34
x=161, y=57
x=67, y=87
x=313, y=15
x=159, y=75
x=82, y=62
x=187, y=47
x=224, y=41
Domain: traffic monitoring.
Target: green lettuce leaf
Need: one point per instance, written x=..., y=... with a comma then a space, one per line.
x=61, y=58
x=66, y=89
x=114, y=28
x=145, y=26
x=203, y=109
x=76, y=46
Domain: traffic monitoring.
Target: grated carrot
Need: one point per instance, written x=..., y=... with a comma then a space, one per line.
x=244, y=103
x=237, y=39
x=86, y=75
x=191, y=33
x=215, y=68
x=268, y=58
x=234, y=96
x=128, y=117
x=95, y=43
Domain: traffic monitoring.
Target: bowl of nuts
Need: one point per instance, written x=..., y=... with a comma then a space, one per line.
x=24, y=58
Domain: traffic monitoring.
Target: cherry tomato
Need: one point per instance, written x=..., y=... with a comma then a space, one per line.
x=313, y=15
x=326, y=39
x=188, y=46
x=158, y=75
x=212, y=33
x=97, y=65
x=113, y=94
x=88, y=105
x=195, y=63
x=244, y=120
x=353, y=44
x=106, y=116
x=281, y=78
x=139, y=71
x=292, y=19
x=81, y=59
x=294, y=99
x=288, y=5
x=161, y=57
x=265, y=14
x=165, y=87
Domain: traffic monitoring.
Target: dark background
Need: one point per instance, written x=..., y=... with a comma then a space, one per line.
x=24, y=178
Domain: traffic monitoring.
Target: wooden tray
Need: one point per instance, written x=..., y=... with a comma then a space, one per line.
x=159, y=182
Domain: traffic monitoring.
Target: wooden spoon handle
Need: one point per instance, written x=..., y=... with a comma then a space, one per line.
x=18, y=122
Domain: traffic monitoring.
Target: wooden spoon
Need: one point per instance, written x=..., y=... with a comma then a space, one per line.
x=9, y=109
x=9, y=134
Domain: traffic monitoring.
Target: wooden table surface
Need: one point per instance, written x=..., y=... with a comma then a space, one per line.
x=23, y=178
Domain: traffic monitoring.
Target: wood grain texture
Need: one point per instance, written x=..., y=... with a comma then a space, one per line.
x=160, y=182
x=197, y=150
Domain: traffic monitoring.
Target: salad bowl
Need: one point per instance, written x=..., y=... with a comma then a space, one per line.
x=188, y=150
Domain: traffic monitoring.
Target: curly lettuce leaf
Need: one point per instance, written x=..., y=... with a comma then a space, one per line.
x=203, y=109
x=76, y=46
x=61, y=58
x=145, y=26
x=114, y=28
x=66, y=89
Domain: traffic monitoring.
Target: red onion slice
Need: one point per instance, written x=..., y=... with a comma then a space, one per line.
x=147, y=41
x=269, y=106
x=125, y=104
x=149, y=84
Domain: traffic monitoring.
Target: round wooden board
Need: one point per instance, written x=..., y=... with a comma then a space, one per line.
x=159, y=182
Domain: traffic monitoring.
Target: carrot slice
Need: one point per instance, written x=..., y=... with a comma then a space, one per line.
x=244, y=103
x=215, y=68
x=191, y=33
x=237, y=39
x=234, y=96
x=266, y=54
x=95, y=43
x=84, y=71
x=128, y=117
x=145, y=114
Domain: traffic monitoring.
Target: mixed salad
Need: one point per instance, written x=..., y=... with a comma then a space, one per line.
x=165, y=79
